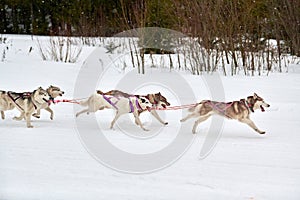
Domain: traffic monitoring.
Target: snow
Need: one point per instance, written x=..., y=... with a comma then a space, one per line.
x=51, y=161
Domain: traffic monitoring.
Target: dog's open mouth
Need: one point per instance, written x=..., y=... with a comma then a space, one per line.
x=148, y=108
x=262, y=108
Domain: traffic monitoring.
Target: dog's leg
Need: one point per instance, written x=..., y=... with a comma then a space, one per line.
x=2, y=115
x=37, y=114
x=28, y=118
x=192, y=115
x=197, y=122
x=50, y=111
x=81, y=112
x=22, y=115
x=137, y=119
x=155, y=114
x=250, y=123
x=136, y=122
x=115, y=119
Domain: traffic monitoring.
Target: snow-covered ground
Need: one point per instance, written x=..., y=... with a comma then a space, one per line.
x=51, y=162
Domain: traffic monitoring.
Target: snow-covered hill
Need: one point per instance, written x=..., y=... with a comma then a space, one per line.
x=51, y=161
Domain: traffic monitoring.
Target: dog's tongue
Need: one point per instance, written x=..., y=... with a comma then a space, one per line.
x=262, y=109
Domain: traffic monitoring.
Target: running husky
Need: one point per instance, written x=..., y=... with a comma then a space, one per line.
x=157, y=100
x=53, y=92
x=27, y=103
x=122, y=105
x=239, y=110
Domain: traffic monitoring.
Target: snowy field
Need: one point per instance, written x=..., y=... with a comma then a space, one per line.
x=51, y=162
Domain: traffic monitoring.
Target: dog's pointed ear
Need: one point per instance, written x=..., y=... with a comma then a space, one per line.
x=255, y=96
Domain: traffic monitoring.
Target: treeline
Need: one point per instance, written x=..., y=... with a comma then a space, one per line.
x=228, y=25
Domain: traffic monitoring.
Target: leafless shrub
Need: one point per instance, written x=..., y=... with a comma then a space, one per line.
x=60, y=49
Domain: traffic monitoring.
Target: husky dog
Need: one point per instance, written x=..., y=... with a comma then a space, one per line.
x=28, y=102
x=157, y=100
x=122, y=105
x=5, y=103
x=239, y=110
x=53, y=92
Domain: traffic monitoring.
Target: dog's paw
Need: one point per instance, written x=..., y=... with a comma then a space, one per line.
x=29, y=126
x=36, y=116
x=17, y=118
x=259, y=131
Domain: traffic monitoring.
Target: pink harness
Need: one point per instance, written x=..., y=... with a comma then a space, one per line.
x=108, y=99
x=220, y=106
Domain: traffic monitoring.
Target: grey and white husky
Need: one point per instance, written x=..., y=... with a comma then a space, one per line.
x=26, y=103
x=53, y=92
x=239, y=110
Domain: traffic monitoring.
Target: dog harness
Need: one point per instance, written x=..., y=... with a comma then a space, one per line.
x=220, y=106
x=248, y=105
x=51, y=100
x=108, y=99
x=131, y=106
x=23, y=95
x=137, y=105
